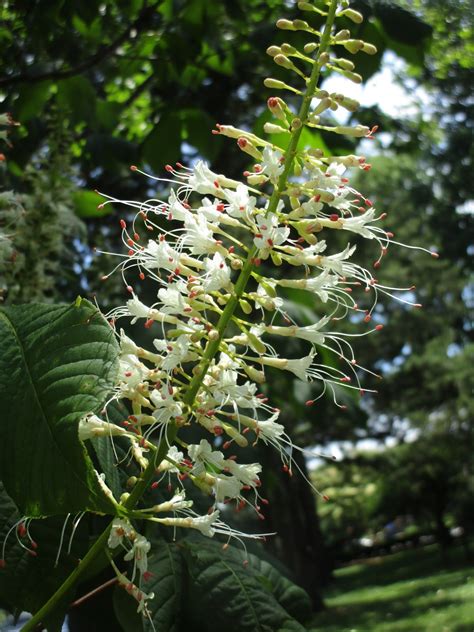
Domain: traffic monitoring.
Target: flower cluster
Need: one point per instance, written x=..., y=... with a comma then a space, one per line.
x=221, y=253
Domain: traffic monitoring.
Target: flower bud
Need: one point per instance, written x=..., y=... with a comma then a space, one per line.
x=342, y=35
x=271, y=128
x=283, y=61
x=286, y=25
x=343, y=63
x=370, y=49
x=357, y=132
x=276, y=258
x=245, y=306
x=254, y=374
x=310, y=47
x=301, y=25
x=353, y=15
x=288, y=49
x=246, y=146
x=276, y=84
x=273, y=50
x=353, y=76
x=353, y=45
x=275, y=105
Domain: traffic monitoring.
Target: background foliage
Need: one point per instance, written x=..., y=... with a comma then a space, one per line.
x=99, y=86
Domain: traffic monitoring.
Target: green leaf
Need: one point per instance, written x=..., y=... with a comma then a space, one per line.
x=167, y=583
x=163, y=144
x=26, y=581
x=241, y=598
x=57, y=363
x=78, y=97
x=31, y=101
x=197, y=132
x=86, y=204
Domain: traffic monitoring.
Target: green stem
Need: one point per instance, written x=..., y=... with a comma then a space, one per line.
x=210, y=351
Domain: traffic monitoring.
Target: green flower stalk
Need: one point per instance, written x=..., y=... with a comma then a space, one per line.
x=217, y=308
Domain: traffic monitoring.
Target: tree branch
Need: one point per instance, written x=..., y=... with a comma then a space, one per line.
x=99, y=56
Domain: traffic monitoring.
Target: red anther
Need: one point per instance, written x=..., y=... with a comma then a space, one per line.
x=270, y=242
x=242, y=142
x=154, y=485
x=368, y=203
x=227, y=444
x=258, y=235
x=316, y=198
x=246, y=174
x=169, y=487
x=218, y=431
x=285, y=468
x=130, y=289
x=142, y=276
x=133, y=168
x=169, y=168
x=361, y=209
x=361, y=392
x=384, y=251
x=257, y=262
x=220, y=207
x=272, y=102
x=378, y=327
x=147, y=575
x=216, y=184
x=21, y=530
x=348, y=289
x=260, y=516
x=104, y=277
x=246, y=487
x=383, y=215
x=435, y=255
x=2, y=563
x=265, y=501
x=99, y=206
x=131, y=253
x=309, y=402
x=231, y=249
x=376, y=264
x=183, y=476
x=128, y=373
x=367, y=318
x=343, y=407
x=367, y=167
x=257, y=168
x=334, y=217
x=245, y=563
x=34, y=545
x=136, y=236
x=215, y=131
x=325, y=498
x=417, y=305
x=130, y=242
x=390, y=235
x=245, y=430
x=32, y=553
x=2, y=159
x=148, y=323
x=345, y=180
x=123, y=224
x=346, y=378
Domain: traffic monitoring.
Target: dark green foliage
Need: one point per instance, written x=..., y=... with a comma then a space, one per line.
x=57, y=363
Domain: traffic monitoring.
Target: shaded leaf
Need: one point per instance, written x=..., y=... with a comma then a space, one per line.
x=163, y=144
x=57, y=363
x=86, y=204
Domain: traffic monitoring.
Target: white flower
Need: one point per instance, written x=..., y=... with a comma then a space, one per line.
x=240, y=202
x=334, y=262
x=204, y=523
x=271, y=163
x=218, y=273
x=269, y=430
x=246, y=473
x=203, y=453
x=198, y=236
x=300, y=367
x=226, y=487
x=166, y=407
x=202, y=180
x=312, y=333
x=137, y=309
x=358, y=224
x=176, y=351
x=175, y=456
x=138, y=553
x=176, y=209
x=159, y=254
x=269, y=233
x=173, y=299
x=120, y=529
x=319, y=285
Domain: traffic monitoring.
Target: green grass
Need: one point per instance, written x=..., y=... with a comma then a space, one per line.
x=411, y=591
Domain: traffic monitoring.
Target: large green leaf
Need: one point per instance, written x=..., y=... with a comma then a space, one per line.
x=246, y=595
x=57, y=363
x=26, y=581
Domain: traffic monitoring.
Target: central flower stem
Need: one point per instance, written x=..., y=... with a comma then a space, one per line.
x=212, y=348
